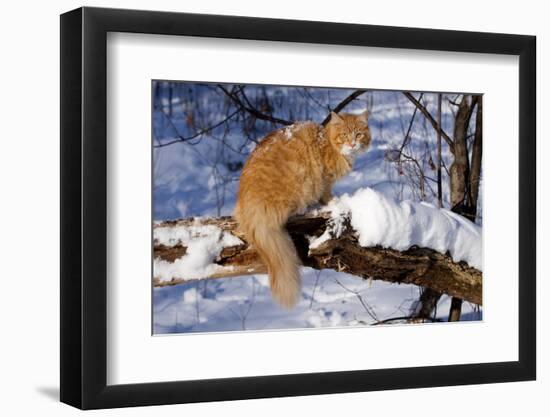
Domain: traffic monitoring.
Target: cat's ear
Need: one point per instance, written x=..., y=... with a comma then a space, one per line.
x=363, y=117
x=335, y=118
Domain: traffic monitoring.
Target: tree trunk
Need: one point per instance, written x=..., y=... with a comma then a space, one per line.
x=425, y=306
x=419, y=266
x=439, y=185
x=460, y=168
x=477, y=150
x=460, y=175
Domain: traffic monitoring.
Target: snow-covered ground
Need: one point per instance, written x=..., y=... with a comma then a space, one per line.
x=200, y=178
x=328, y=299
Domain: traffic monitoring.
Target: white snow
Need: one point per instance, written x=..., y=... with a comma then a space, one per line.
x=379, y=220
x=245, y=303
x=356, y=112
x=191, y=296
x=204, y=244
x=335, y=226
x=315, y=321
x=288, y=132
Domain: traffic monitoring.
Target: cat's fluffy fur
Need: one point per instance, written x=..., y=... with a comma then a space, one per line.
x=290, y=169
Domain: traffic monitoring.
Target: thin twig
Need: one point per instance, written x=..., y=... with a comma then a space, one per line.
x=430, y=118
x=370, y=311
x=256, y=113
x=406, y=318
x=196, y=135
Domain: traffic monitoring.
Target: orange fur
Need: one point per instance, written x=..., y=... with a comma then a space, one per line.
x=289, y=170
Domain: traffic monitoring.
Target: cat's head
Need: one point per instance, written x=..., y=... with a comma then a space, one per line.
x=349, y=133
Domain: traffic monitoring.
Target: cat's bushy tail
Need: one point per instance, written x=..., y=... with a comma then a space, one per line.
x=264, y=228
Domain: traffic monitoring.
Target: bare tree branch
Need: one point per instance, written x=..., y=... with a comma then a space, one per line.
x=194, y=136
x=430, y=118
x=253, y=111
x=409, y=319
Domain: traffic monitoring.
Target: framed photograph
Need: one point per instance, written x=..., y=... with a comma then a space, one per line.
x=258, y=208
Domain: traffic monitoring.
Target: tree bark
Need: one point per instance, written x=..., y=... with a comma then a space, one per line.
x=477, y=150
x=460, y=168
x=419, y=266
x=462, y=201
x=439, y=184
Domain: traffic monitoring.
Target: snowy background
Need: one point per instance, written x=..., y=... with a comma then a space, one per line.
x=201, y=141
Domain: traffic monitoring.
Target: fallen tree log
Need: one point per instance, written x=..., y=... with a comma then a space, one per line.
x=420, y=266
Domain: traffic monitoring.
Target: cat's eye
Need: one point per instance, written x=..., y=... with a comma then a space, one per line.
x=359, y=136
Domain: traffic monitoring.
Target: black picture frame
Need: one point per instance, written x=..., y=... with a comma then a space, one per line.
x=84, y=207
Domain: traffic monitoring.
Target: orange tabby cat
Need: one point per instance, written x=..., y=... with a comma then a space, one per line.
x=290, y=169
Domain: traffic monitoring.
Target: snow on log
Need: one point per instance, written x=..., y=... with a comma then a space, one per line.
x=365, y=234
